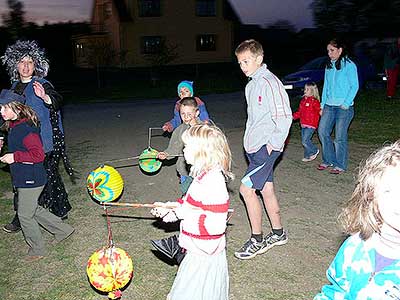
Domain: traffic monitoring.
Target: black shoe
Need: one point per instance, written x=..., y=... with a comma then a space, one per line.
x=11, y=228
x=168, y=246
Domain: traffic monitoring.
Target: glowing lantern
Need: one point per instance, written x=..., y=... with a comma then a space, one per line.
x=105, y=184
x=148, y=161
x=109, y=270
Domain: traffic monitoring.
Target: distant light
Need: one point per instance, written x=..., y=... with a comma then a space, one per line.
x=288, y=86
x=384, y=78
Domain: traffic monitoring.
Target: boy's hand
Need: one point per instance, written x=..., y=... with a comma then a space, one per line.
x=162, y=155
x=7, y=158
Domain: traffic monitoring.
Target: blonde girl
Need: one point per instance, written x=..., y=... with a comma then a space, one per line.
x=367, y=266
x=25, y=157
x=309, y=114
x=203, y=273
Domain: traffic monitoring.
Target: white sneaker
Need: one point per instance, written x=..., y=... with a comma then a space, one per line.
x=311, y=158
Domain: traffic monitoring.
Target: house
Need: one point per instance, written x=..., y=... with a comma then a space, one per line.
x=139, y=33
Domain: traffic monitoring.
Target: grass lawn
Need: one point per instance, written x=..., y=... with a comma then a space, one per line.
x=62, y=274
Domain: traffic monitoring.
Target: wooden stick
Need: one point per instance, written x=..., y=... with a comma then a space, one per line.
x=137, y=157
x=139, y=205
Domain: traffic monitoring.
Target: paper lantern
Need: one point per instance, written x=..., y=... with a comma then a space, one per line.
x=148, y=161
x=109, y=270
x=105, y=184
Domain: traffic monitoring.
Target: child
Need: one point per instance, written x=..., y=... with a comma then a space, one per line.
x=185, y=89
x=267, y=127
x=309, y=113
x=367, y=265
x=203, y=273
x=29, y=176
x=189, y=113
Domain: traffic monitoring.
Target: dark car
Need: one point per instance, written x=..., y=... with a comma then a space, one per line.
x=314, y=71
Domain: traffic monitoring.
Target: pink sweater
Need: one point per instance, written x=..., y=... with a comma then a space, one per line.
x=203, y=213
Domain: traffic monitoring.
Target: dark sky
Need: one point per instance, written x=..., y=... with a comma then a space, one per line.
x=250, y=11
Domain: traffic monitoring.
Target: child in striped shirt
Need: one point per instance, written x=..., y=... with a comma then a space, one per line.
x=203, y=273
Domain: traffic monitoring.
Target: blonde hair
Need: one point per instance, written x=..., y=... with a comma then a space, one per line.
x=314, y=89
x=361, y=213
x=251, y=45
x=23, y=112
x=212, y=149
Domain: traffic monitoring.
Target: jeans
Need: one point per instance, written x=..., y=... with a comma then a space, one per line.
x=335, y=152
x=306, y=139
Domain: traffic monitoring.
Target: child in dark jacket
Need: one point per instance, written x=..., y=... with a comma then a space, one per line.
x=185, y=89
x=25, y=157
x=309, y=114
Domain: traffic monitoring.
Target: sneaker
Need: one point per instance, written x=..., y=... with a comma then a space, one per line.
x=250, y=249
x=272, y=239
x=336, y=171
x=11, y=228
x=323, y=166
x=311, y=158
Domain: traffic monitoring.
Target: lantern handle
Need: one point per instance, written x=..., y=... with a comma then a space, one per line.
x=150, y=129
x=136, y=157
x=148, y=205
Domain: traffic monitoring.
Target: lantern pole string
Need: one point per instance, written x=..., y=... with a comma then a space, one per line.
x=110, y=241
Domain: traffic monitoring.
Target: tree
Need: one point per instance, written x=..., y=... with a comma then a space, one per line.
x=165, y=54
x=14, y=20
x=100, y=54
x=379, y=17
x=282, y=25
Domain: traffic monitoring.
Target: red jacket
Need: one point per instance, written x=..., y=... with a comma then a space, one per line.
x=308, y=112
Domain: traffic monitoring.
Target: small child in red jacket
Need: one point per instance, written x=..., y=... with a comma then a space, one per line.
x=309, y=114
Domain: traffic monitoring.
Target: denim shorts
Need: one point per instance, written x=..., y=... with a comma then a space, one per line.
x=260, y=169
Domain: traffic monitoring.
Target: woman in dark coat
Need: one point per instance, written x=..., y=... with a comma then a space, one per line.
x=27, y=67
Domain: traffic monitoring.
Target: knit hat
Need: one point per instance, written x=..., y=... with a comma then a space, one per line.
x=7, y=96
x=187, y=84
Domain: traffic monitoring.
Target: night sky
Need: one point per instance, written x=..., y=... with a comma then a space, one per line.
x=250, y=11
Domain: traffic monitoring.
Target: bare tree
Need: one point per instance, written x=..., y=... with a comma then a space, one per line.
x=14, y=20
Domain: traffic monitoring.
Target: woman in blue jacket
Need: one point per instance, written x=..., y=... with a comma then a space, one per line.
x=27, y=67
x=337, y=111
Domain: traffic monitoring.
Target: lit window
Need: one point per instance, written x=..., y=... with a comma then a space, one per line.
x=150, y=44
x=206, y=42
x=149, y=8
x=206, y=8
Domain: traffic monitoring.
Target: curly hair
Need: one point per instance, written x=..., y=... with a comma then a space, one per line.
x=361, y=212
x=16, y=52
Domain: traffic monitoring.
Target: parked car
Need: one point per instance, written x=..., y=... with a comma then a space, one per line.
x=314, y=71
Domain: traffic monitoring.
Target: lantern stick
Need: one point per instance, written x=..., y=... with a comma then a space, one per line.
x=139, y=205
x=150, y=129
x=138, y=157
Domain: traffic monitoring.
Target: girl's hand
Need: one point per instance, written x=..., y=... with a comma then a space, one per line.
x=320, y=112
x=7, y=158
x=40, y=92
x=167, y=214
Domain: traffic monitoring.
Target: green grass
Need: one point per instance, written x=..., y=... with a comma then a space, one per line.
x=62, y=274
x=376, y=119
